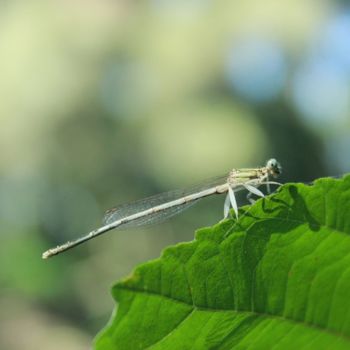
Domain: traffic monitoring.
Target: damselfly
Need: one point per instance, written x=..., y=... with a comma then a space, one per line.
x=162, y=206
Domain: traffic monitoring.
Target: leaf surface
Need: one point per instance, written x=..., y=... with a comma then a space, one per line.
x=278, y=278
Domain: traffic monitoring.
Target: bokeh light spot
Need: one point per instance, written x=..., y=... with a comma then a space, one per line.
x=256, y=69
x=321, y=92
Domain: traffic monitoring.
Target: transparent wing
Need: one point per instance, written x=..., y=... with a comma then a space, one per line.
x=125, y=210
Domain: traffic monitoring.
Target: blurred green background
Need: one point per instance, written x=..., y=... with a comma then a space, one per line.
x=105, y=102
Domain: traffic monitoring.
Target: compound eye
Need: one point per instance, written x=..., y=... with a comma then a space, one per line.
x=274, y=167
x=272, y=163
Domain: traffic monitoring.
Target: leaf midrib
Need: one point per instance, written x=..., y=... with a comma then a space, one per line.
x=262, y=314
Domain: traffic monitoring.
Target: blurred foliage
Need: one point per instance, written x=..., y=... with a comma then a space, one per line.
x=104, y=102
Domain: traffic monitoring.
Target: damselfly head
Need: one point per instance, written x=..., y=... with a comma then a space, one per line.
x=274, y=168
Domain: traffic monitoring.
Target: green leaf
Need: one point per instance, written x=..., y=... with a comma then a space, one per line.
x=279, y=277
